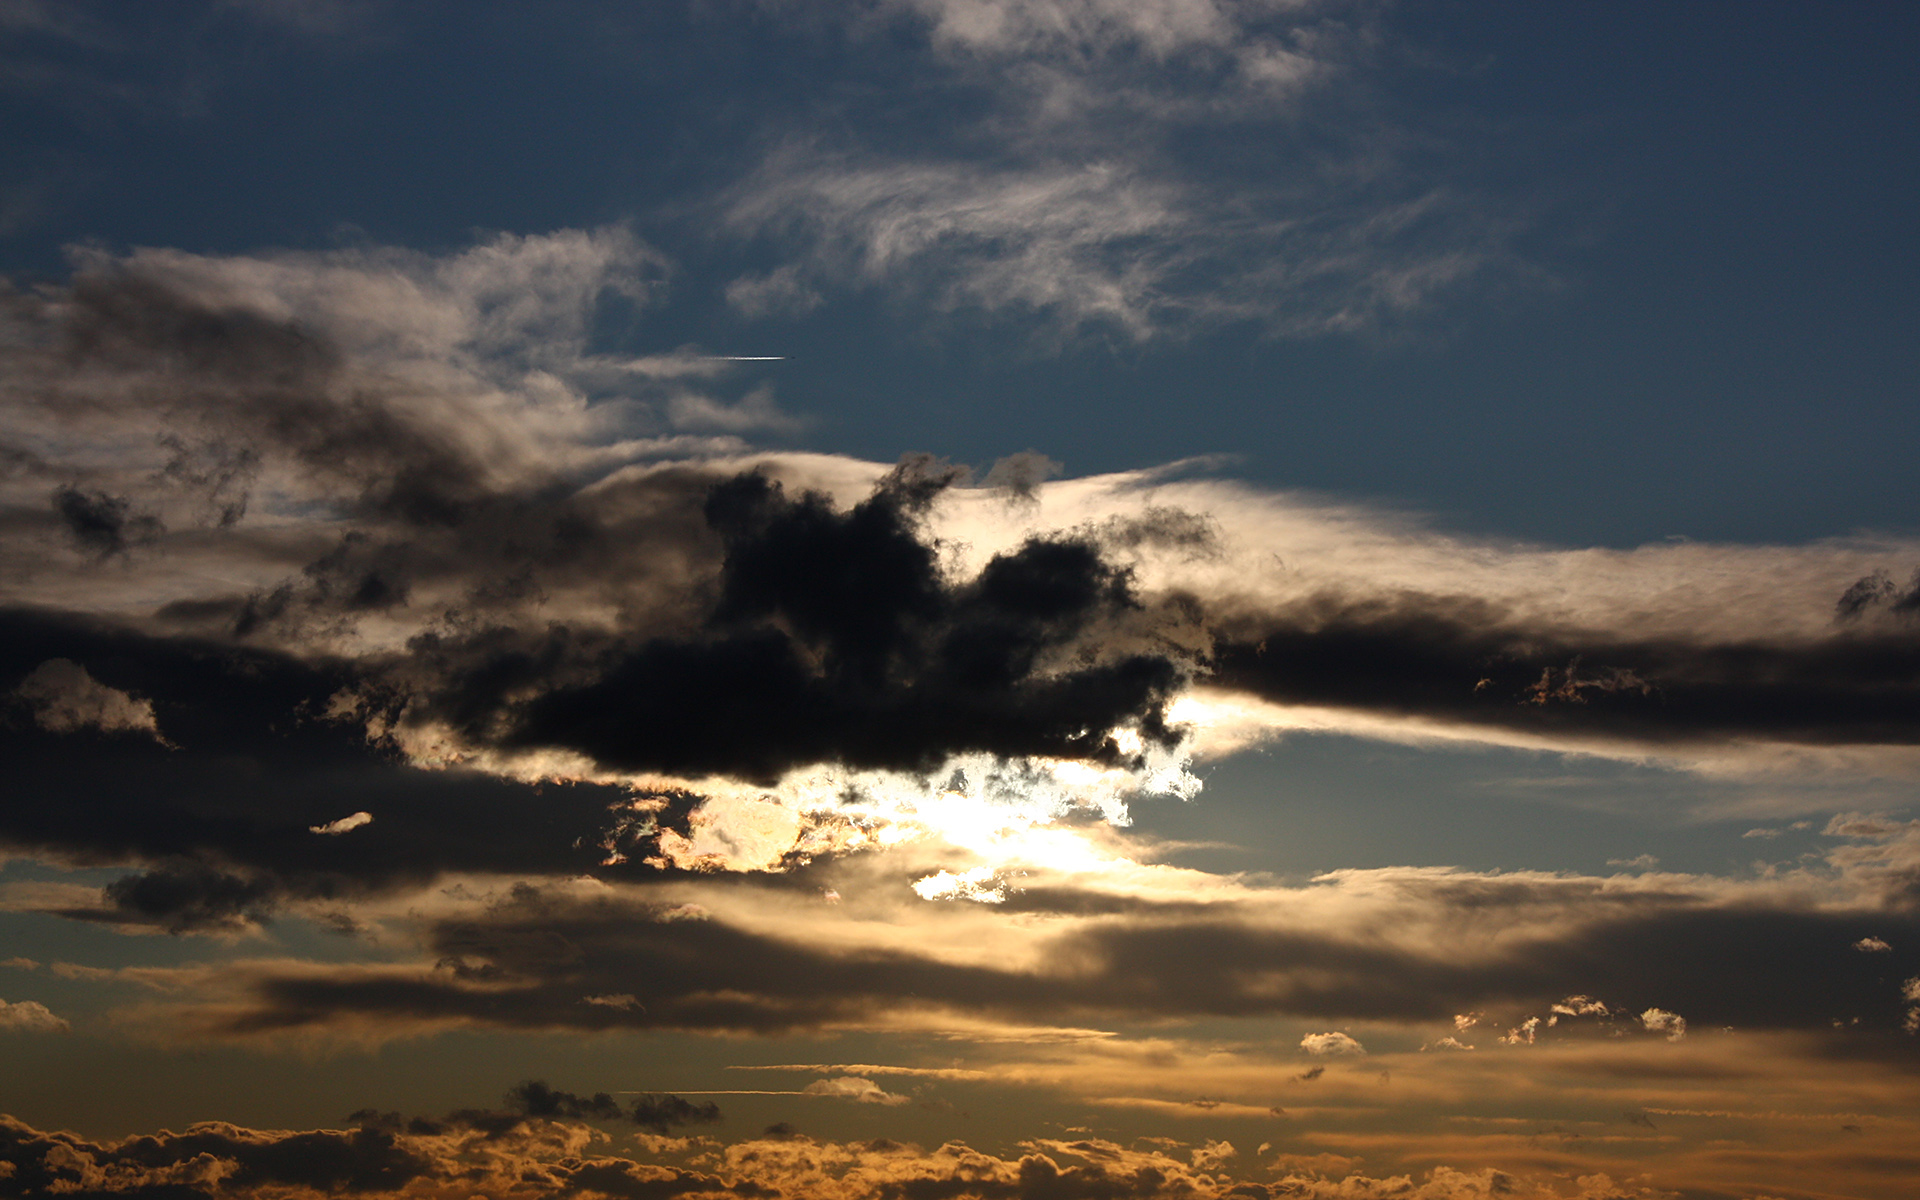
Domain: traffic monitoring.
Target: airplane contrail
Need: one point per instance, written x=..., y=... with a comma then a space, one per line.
x=745, y=357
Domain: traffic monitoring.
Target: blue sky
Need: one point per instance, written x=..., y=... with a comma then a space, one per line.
x=1147, y=597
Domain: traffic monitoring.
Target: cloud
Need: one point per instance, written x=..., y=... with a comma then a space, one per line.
x=1065, y=190
x=756, y=410
x=1333, y=1043
x=101, y=523
x=478, y=1150
x=1657, y=1020
x=656, y=1113
x=1551, y=959
x=345, y=824
x=876, y=661
x=1463, y=661
x=852, y=1087
x=29, y=1016
x=780, y=292
x=64, y=699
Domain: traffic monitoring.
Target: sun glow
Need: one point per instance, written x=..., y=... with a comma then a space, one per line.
x=999, y=814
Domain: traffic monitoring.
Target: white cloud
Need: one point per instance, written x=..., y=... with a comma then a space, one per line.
x=977, y=884
x=1871, y=945
x=1659, y=1020
x=850, y=1087
x=1332, y=1043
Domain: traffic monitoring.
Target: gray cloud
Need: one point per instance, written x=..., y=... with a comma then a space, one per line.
x=1534, y=946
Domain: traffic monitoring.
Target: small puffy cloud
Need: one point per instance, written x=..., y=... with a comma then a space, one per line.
x=29, y=1016
x=1447, y=1043
x=64, y=699
x=852, y=1087
x=1213, y=1156
x=1871, y=945
x=1659, y=1020
x=344, y=824
x=1331, y=1043
x=977, y=884
x=1761, y=833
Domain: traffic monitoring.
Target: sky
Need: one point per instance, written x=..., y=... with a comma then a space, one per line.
x=974, y=599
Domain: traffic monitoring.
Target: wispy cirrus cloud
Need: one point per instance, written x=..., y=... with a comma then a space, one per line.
x=1072, y=187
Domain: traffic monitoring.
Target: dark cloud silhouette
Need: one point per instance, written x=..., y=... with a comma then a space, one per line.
x=1878, y=591
x=222, y=814
x=1462, y=660
x=835, y=637
x=827, y=636
x=191, y=895
x=164, y=1165
x=384, y=1153
x=661, y=1113
x=103, y=524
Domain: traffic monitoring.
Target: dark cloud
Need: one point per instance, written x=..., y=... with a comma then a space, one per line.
x=654, y=1112
x=191, y=895
x=103, y=524
x=528, y=963
x=383, y=1154
x=175, y=1165
x=1462, y=660
x=807, y=634
x=222, y=813
x=217, y=1159
x=1878, y=591
x=660, y=1113
x=836, y=637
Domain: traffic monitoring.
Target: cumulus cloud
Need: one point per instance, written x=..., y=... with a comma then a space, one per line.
x=29, y=1016
x=503, y=1155
x=1332, y=1043
x=1658, y=1020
